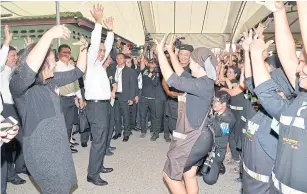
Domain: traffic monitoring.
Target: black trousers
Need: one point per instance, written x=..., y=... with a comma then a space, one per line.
x=68, y=108
x=14, y=154
x=98, y=114
x=132, y=115
x=235, y=154
x=111, y=125
x=121, y=109
x=210, y=177
x=3, y=170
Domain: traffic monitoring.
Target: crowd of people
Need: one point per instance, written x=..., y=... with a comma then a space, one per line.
x=200, y=100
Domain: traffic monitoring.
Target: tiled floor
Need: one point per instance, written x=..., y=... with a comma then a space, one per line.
x=137, y=165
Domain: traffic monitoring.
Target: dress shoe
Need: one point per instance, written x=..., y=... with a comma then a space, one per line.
x=116, y=136
x=126, y=138
x=222, y=169
x=97, y=181
x=17, y=180
x=73, y=150
x=167, y=139
x=84, y=144
x=154, y=137
x=109, y=153
x=112, y=148
x=143, y=135
x=106, y=170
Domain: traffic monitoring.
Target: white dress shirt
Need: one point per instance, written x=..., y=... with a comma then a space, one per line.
x=96, y=82
x=5, y=77
x=119, y=79
x=62, y=67
x=3, y=56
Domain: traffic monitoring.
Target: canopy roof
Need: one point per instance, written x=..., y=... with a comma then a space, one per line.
x=202, y=23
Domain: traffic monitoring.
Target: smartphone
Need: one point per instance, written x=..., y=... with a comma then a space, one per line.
x=8, y=123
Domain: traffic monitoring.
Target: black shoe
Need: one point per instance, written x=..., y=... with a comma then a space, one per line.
x=112, y=148
x=73, y=139
x=74, y=144
x=222, y=169
x=109, y=153
x=143, y=135
x=106, y=170
x=154, y=137
x=126, y=138
x=84, y=144
x=73, y=150
x=116, y=136
x=167, y=139
x=97, y=181
x=17, y=181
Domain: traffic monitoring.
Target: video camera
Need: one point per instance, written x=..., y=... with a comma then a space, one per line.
x=178, y=42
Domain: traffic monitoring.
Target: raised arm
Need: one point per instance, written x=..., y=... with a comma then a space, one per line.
x=302, y=15
x=25, y=75
x=97, y=13
x=63, y=78
x=5, y=47
x=260, y=72
x=110, y=37
x=284, y=40
x=174, y=59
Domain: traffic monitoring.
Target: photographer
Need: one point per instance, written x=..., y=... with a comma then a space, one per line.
x=221, y=123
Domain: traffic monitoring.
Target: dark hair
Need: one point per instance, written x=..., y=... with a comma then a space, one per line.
x=120, y=54
x=236, y=70
x=20, y=52
x=223, y=96
x=23, y=57
x=127, y=57
x=11, y=48
x=63, y=46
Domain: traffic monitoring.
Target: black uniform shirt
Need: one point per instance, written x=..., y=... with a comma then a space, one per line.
x=199, y=95
x=148, y=89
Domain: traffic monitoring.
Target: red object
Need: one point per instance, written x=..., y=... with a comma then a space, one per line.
x=238, y=47
x=129, y=45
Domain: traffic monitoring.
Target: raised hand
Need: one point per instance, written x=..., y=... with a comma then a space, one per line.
x=260, y=29
x=82, y=43
x=170, y=47
x=97, y=13
x=248, y=39
x=273, y=6
x=258, y=45
x=8, y=35
x=60, y=31
x=160, y=45
x=28, y=41
x=109, y=23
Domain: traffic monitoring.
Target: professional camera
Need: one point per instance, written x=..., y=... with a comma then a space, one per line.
x=147, y=37
x=178, y=42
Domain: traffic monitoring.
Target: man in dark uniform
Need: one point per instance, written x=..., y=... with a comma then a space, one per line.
x=171, y=108
x=147, y=101
x=221, y=123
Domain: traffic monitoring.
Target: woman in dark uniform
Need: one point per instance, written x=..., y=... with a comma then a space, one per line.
x=191, y=139
x=34, y=87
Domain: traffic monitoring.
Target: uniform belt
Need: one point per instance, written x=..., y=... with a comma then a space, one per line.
x=68, y=96
x=95, y=101
x=236, y=107
x=258, y=177
x=149, y=98
x=284, y=188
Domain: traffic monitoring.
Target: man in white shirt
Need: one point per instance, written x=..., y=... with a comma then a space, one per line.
x=71, y=97
x=15, y=164
x=98, y=95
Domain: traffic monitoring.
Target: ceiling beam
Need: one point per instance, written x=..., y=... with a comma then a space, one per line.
x=146, y=12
